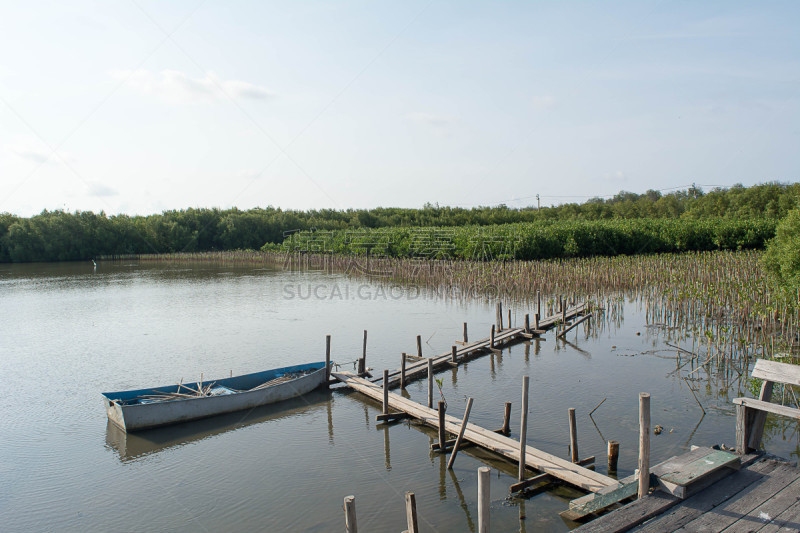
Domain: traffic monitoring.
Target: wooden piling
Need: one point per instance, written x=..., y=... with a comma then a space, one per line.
x=506, y=429
x=419, y=345
x=509, y=318
x=491, y=338
x=536, y=321
x=644, y=444
x=350, y=525
x=484, y=498
x=499, y=316
x=538, y=304
x=460, y=437
x=327, y=361
x=527, y=323
x=466, y=338
x=442, y=432
x=362, y=363
x=613, y=456
x=430, y=383
x=403, y=371
x=523, y=430
x=411, y=513
x=573, y=436
x=453, y=356
x=385, y=392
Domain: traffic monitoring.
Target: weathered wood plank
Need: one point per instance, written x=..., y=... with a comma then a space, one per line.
x=744, y=502
x=509, y=448
x=777, y=371
x=604, y=498
x=775, y=408
x=787, y=521
x=713, y=496
x=769, y=510
x=593, y=503
x=627, y=517
x=760, y=418
x=683, y=480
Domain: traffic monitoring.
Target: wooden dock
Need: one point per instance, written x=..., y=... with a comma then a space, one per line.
x=419, y=369
x=700, y=491
x=562, y=469
x=764, y=496
x=706, y=489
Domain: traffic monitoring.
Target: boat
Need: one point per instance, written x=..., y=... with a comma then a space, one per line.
x=135, y=410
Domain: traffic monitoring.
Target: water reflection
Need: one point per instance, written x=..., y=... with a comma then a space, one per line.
x=132, y=446
x=577, y=349
x=461, y=500
x=387, y=454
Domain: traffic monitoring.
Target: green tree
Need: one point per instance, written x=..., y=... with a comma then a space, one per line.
x=782, y=259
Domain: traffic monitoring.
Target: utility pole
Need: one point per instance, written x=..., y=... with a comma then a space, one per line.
x=537, y=202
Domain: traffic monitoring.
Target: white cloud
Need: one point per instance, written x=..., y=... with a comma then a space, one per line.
x=176, y=87
x=101, y=190
x=430, y=119
x=38, y=153
x=616, y=177
x=31, y=154
x=544, y=102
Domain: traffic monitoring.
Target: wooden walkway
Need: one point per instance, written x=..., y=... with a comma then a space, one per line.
x=763, y=496
x=509, y=448
x=419, y=369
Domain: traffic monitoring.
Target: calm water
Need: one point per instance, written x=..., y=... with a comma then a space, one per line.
x=69, y=333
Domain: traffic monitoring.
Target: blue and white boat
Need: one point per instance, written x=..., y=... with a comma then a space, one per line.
x=134, y=410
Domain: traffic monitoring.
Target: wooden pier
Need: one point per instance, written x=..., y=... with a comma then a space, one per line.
x=706, y=489
x=562, y=469
x=762, y=496
x=468, y=351
x=714, y=490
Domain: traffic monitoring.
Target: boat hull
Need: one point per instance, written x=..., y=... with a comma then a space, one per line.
x=138, y=416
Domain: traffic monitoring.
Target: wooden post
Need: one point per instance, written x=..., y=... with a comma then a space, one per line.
x=362, y=363
x=403, y=371
x=509, y=319
x=491, y=338
x=484, y=498
x=327, y=360
x=499, y=316
x=523, y=430
x=613, y=456
x=466, y=339
x=460, y=437
x=759, y=418
x=453, y=356
x=742, y=434
x=538, y=304
x=573, y=436
x=430, y=383
x=442, y=433
x=644, y=444
x=350, y=525
x=385, y=392
x=527, y=323
x=536, y=321
x=507, y=419
x=419, y=345
x=411, y=513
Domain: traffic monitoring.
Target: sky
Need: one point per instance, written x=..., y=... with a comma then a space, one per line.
x=142, y=106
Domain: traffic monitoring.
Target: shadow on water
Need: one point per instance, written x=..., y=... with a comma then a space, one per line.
x=133, y=446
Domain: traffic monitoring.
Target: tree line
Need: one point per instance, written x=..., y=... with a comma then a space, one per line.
x=82, y=235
